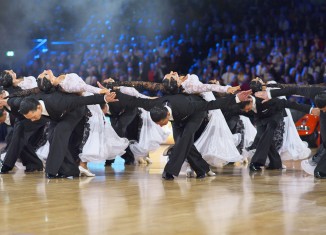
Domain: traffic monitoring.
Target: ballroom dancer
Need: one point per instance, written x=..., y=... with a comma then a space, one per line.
x=9, y=81
x=268, y=115
x=317, y=93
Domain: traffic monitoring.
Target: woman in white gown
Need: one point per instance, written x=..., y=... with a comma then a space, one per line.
x=100, y=141
x=11, y=80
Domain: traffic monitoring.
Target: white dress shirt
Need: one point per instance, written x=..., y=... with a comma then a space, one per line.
x=170, y=111
x=7, y=121
x=44, y=111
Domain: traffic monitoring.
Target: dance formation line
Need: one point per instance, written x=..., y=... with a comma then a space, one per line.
x=61, y=122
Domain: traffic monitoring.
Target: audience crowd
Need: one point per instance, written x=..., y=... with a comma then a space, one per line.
x=230, y=42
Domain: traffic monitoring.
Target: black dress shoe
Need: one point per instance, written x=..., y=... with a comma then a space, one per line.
x=109, y=162
x=252, y=147
x=67, y=175
x=50, y=176
x=130, y=162
x=200, y=176
x=28, y=170
x=167, y=176
x=320, y=175
x=168, y=150
x=273, y=168
x=62, y=176
x=254, y=167
x=5, y=169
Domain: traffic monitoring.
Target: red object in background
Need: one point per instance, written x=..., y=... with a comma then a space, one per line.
x=309, y=129
x=245, y=87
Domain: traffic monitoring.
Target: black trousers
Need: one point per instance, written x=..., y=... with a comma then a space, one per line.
x=126, y=125
x=265, y=147
x=60, y=159
x=20, y=146
x=184, y=148
x=321, y=165
x=120, y=123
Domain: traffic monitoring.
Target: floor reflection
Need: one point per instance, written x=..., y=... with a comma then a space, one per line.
x=135, y=200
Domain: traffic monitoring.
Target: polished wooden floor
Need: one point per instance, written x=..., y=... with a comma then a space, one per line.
x=135, y=200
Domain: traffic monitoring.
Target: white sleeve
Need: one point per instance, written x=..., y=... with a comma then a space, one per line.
x=28, y=83
x=91, y=89
x=133, y=92
x=191, y=87
x=72, y=83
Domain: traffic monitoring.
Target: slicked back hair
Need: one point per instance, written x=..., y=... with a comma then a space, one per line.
x=158, y=113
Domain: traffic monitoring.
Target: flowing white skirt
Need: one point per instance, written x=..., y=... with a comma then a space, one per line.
x=249, y=131
x=216, y=143
x=249, y=135
x=43, y=151
x=103, y=143
x=150, y=138
x=293, y=147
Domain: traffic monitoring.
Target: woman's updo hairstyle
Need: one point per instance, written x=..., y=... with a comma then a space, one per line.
x=6, y=79
x=170, y=86
x=255, y=86
x=45, y=85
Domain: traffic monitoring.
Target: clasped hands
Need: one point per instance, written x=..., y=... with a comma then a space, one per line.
x=3, y=102
x=109, y=80
x=244, y=95
x=233, y=89
x=263, y=95
x=108, y=95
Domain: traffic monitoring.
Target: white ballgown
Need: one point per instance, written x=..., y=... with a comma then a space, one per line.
x=103, y=143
